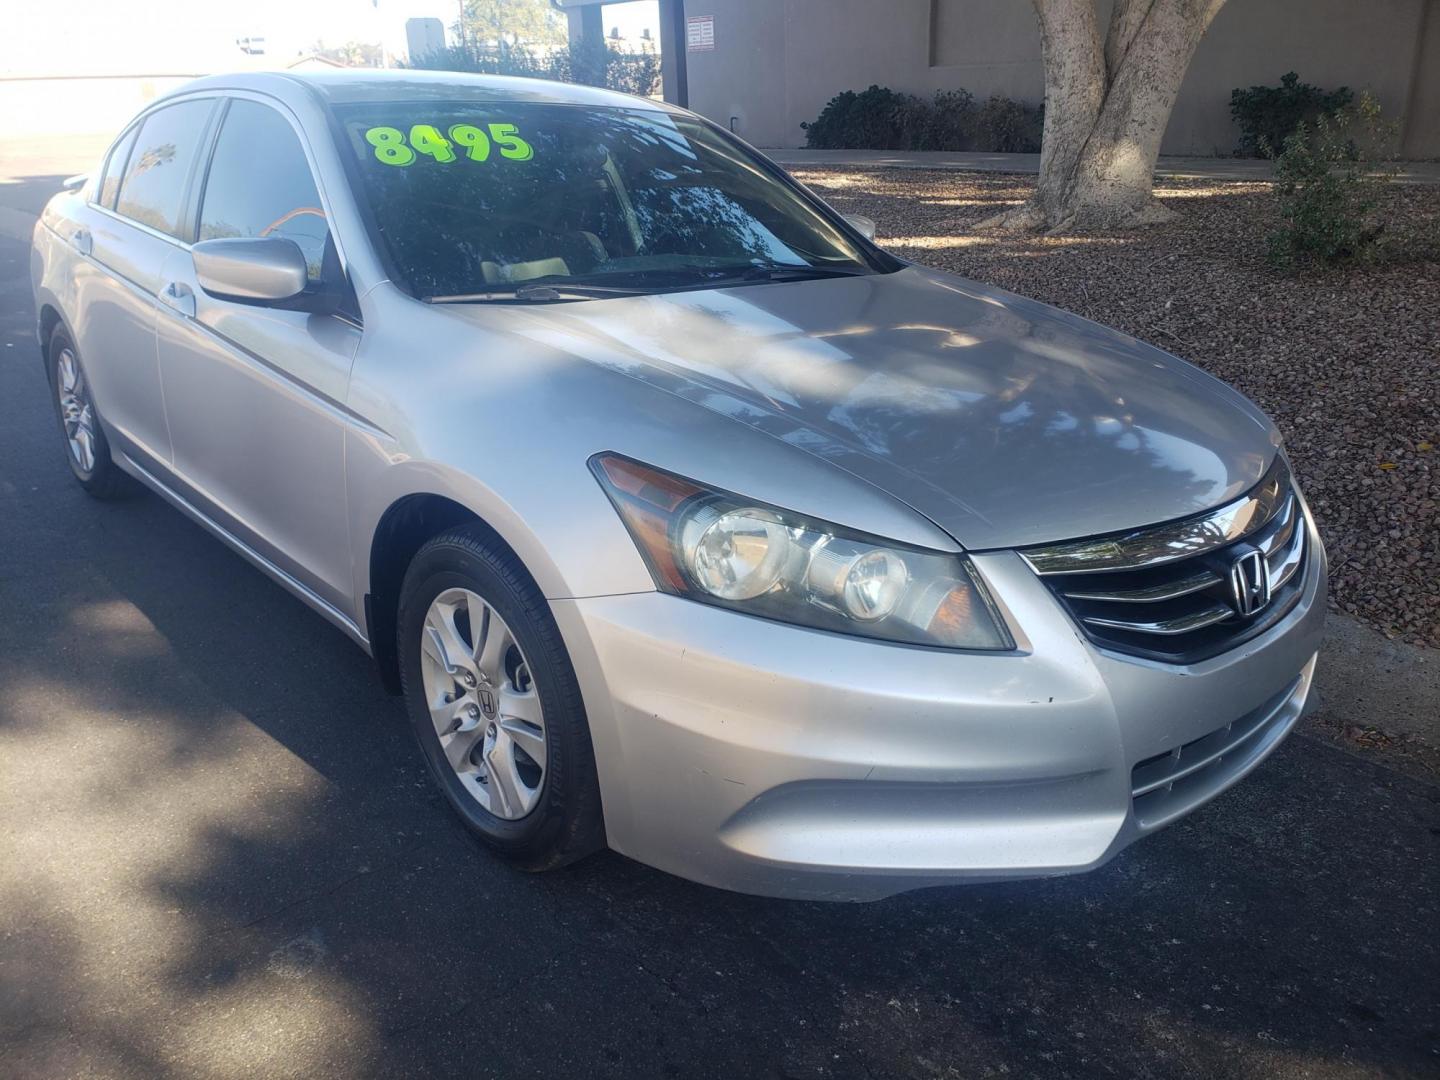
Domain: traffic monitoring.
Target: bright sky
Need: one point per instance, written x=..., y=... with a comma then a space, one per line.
x=198, y=36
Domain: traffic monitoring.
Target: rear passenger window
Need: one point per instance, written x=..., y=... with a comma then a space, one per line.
x=153, y=189
x=279, y=199
x=114, y=167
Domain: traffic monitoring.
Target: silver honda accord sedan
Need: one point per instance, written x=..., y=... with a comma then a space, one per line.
x=686, y=520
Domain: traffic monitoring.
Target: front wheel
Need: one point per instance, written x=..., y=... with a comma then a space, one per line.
x=495, y=703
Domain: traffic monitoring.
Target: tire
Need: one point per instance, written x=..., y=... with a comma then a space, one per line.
x=486, y=765
x=86, y=449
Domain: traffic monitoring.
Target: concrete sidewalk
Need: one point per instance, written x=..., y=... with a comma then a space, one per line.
x=1190, y=168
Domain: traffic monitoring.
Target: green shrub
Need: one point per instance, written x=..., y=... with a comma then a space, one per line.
x=1006, y=126
x=874, y=119
x=947, y=122
x=1268, y=115
x=597, y=65
x=1329, y=189
x=882, y=119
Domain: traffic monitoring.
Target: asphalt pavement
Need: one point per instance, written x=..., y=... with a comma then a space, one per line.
x=219, y=856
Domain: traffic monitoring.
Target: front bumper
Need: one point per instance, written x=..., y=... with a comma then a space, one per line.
x=774, y=760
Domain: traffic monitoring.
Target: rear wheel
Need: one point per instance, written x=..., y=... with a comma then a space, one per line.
x=87, y=449
x=495, y=703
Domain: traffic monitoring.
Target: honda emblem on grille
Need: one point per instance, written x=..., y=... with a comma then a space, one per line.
x=1250, y=582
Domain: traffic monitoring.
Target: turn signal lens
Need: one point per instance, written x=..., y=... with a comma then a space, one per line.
x=710, y=545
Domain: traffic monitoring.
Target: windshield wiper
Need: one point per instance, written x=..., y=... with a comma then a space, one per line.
x=544, y=292
x=538, y=293
x=788, y=272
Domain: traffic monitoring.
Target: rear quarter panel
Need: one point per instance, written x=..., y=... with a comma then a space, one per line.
x=52, y=259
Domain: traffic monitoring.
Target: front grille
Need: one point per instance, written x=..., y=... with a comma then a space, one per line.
x=1178, y=592
x=1168, y=785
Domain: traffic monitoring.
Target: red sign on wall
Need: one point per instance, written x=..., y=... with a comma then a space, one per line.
x=700, y=33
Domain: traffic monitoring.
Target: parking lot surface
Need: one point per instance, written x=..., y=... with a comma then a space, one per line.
x=219, y=856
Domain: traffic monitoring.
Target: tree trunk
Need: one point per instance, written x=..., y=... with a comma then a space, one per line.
x=1106, y=110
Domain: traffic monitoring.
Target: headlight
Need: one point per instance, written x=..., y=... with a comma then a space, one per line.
x=718, y=548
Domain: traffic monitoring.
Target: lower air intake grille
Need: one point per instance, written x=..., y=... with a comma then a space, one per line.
x=1189, y=589
x=1170, y=784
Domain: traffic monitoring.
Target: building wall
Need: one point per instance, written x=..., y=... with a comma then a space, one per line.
x=776, y=62
x=742, y=84
x=1422, y=119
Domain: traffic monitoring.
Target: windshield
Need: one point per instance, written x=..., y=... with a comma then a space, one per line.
x=480, y=198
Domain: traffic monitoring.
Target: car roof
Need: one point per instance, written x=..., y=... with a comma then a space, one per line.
x=343, y=86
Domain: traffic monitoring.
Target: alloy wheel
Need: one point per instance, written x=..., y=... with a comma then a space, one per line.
x=76, y=411
x=483, y=702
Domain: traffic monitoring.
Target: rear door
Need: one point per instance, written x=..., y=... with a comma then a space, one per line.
x=135, y=225
x=254, y=394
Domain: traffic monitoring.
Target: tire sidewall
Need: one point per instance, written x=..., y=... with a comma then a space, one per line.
x=60, y=340
x=444, y=566
x=105, y=480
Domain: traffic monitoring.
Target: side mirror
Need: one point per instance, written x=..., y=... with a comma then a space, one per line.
x=266, y=270
x=863, y=225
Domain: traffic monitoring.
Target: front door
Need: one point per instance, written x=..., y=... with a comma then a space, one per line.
x=254, y=394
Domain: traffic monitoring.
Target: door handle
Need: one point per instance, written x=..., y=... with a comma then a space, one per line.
x=179, y=297
x=81, y=242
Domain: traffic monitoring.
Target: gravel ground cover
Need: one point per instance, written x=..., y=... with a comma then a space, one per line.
x=1347, y=363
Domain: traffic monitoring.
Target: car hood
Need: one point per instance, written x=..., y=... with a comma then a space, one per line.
x=1004, y=421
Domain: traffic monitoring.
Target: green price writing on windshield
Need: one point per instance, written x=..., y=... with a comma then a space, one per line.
x=391, y=147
